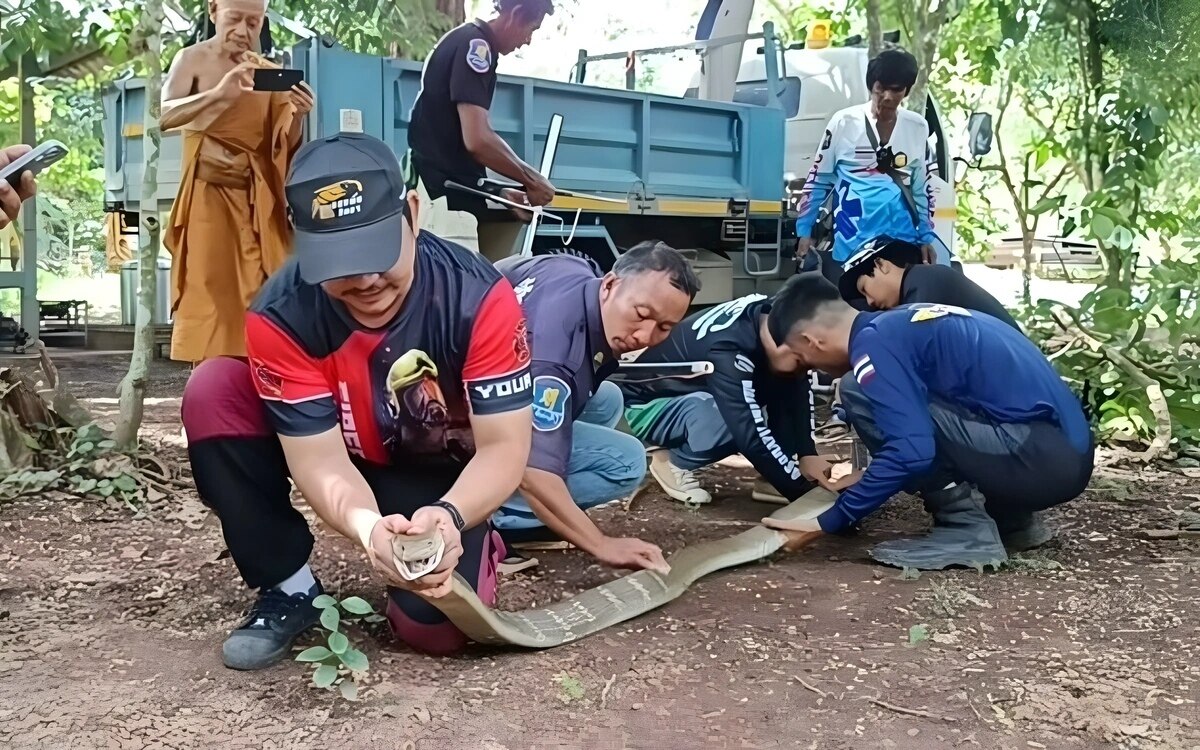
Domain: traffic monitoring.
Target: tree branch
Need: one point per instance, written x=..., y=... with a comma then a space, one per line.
x=1158, y=402
x=1066, y=168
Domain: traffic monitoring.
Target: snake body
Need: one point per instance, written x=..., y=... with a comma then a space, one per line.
x=626, y=597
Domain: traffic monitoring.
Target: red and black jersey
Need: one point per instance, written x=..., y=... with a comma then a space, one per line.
x=404, y=391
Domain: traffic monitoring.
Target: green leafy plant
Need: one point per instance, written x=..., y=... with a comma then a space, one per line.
x=339, y=663
x=918, y=634
x=1135, y=355
x=571, y=689
x=87, y=465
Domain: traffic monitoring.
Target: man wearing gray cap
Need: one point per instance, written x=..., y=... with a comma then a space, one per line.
x=388, y=376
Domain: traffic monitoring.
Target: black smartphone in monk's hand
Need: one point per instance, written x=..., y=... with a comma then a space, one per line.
x=277, y=79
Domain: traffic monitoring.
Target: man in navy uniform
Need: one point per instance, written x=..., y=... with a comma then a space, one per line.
x=756, y=402
x=952, y=404
x=580, y=323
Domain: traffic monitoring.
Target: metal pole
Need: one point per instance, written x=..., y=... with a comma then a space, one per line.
x=30, y=320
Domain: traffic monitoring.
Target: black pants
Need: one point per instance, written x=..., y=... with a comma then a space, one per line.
x=240, y=472
x=1019, y=468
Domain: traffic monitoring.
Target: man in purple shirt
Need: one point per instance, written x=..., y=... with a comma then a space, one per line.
x=580, y=323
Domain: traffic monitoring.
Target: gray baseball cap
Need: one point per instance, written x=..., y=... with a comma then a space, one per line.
x=346, y=196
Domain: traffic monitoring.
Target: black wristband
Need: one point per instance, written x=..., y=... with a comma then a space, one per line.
x=459, y=523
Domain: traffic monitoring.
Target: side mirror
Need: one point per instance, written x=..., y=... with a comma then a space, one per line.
x=980, y=129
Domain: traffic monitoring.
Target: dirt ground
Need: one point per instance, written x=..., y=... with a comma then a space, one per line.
x=111, y=625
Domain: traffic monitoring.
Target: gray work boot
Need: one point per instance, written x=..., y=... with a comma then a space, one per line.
x=1023, y=531
x=963, y=534
x=274, y=623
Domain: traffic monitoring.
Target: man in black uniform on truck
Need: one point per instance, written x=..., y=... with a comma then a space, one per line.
x=451, y=136
x=756, y=402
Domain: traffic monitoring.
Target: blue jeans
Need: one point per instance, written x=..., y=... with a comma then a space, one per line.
x=606, y=464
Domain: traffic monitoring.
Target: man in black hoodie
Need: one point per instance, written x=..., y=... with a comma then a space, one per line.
x=756, y=402
x=887, y=272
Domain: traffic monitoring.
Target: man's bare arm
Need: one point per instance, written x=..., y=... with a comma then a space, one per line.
x=183, y=106
x=331, y=484
x=490, y=150
x=493, y=473
x=551, y=502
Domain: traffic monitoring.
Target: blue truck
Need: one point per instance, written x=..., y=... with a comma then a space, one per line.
x=703, y=176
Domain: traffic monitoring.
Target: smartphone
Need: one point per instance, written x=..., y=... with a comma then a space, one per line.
x=277, y=79
x=35, y=161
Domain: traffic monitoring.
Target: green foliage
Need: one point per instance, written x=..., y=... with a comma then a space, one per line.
x=1155, y=327
x=570, y=688
x=83, y=462
x=977, y=221
x=406, y=29
x=792, y=19
x=339, y=663
x=918, y=634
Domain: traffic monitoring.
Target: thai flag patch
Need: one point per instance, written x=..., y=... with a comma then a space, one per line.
x=864, y=370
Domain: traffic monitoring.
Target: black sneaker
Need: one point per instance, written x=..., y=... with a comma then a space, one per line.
x=268, y=632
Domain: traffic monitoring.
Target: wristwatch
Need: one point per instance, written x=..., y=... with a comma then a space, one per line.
x=459, y=523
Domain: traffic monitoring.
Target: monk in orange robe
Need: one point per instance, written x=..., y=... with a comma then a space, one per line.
x=229, y=228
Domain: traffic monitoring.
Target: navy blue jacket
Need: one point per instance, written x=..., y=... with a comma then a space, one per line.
x=910, y=355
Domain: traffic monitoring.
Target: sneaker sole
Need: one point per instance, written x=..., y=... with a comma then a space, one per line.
x=542, y=546
x=508, y=569
x=675, y=494
x=263, y=662
x=764, y=497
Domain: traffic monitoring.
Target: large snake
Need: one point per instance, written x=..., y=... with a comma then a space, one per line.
x=624, y=598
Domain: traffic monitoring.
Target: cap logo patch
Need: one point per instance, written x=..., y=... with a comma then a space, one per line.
x=336, y=200
x=479, y=55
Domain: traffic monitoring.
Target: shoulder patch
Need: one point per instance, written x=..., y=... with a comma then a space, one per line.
x=828, y=139
x=937, y=311
x=550, y=397
x=479, y=55
x=864, y=370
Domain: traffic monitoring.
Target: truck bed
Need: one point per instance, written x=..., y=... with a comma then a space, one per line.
x=615, y=142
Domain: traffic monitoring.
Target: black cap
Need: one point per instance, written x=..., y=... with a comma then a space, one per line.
x=346, y=197
x=900, y=252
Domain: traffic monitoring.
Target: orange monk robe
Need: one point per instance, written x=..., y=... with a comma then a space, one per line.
x=228, y=229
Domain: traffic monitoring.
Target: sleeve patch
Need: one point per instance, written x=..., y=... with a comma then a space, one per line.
x=507, y=392
x=828, y=139
x=521, y=342
x=479, y=55
x=933, y=312
x=864, y=370
x=270, y=383
x=550, y=398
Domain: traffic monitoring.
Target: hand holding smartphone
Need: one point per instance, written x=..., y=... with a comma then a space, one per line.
x=34, y=161
x=13, y=166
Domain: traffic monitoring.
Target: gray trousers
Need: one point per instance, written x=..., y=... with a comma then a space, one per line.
x=693, y=429
x=1018, y=467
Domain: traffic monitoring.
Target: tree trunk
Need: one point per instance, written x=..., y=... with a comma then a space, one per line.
x=1027, y=236
x=133, y=386
x=452, y=9
x=924, y=45
x=874, y=29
